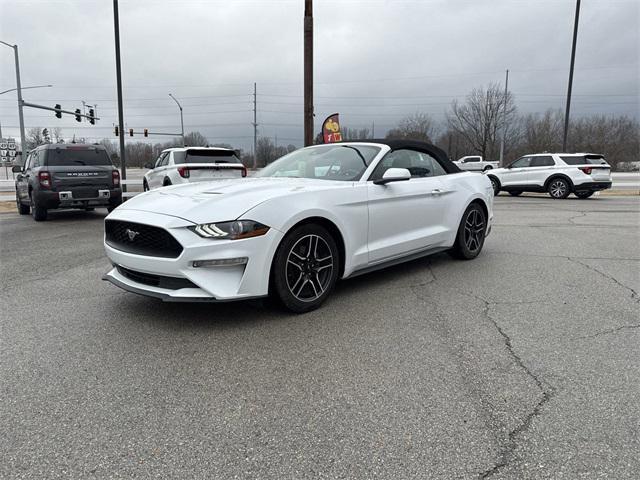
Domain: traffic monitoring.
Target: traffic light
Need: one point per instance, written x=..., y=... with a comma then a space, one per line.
x=78, y=113
x=131, y=132
x=58, y=109
x=92, y=117
x=116, y=130
x=146, y=132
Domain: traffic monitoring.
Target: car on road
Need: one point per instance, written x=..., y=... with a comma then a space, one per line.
x=558, y=174
x=66, y=176
x=312, y=217
x=175, y=166
x=475, y=163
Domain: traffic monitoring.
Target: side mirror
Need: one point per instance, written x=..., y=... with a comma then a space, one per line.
x=148, y=165
x=16, y=169
x=394, y=175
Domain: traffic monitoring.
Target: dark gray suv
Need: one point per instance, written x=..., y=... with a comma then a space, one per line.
x=66, y=176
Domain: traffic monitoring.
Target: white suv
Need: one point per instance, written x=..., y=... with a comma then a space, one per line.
x=558, y=174
x=192, y=164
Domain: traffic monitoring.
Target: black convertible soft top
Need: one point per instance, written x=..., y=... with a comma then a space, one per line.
x=429, y=149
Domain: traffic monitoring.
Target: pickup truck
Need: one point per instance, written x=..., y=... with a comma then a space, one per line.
x=475, y=163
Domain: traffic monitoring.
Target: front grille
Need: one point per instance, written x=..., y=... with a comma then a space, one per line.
x=141, y=239
x=170, y=283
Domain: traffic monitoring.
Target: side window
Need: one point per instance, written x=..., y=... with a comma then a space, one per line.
x=418, y=163
x=165, y=159
x=545, y=161
x=160, y=159
x=27, y=164
x=35, y=159
x=521, y=162
x=472, y=159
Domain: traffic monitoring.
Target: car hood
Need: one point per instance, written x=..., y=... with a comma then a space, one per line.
x=221, y=200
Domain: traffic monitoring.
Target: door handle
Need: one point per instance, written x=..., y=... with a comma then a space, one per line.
x=436, y=191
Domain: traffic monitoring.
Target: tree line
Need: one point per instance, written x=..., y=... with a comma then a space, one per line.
x=474, y=125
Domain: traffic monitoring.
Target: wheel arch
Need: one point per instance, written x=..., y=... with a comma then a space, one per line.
x=558, y=175
x=333, y=230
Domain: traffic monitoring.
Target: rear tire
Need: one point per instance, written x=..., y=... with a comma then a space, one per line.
x=583, y=195
x=559, y=188
x=516, y=193
x=495, y=185
x=471, y=233
x=166, y=182
x=38, y=212
x=305, y=268
x=22, y=208
x=145, y=185
x=488, y=167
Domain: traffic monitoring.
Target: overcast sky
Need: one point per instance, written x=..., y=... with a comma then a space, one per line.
x=375, y=60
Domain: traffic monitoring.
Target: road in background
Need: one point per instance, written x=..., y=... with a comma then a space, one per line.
x=522, y=363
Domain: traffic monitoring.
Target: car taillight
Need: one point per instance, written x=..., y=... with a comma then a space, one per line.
x=244, y=171
x=586, y=170
x=44, y=179
x=184, y=172
x=115, y=176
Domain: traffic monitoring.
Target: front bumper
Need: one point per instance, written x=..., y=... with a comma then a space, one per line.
x=208, y=284
x=592, y=186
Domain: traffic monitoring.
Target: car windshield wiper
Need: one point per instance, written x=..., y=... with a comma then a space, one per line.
x=358, y=152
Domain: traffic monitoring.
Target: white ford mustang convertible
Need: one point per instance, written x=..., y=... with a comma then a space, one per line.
x=314, y=216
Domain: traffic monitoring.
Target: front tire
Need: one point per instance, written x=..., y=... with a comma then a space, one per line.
x=471, y=233
x=305, y=268
x=22, y=208
x=559, y=188
x=516, y=193
x=38, y=212
x=145, y=185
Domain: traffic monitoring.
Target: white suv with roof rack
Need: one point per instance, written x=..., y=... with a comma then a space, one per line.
x=558, y=174
x=175, y=166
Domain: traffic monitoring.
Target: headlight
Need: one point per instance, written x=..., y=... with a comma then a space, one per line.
x=230, y=230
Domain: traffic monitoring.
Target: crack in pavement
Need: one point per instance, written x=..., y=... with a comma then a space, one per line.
x=634, y=294
x=545, y=392
x=609, y=331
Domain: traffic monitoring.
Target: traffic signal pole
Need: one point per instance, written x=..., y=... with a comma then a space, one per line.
x=570, y=86
x=123, y=161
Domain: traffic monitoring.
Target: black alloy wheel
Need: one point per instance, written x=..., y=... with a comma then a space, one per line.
x=471, y=233
x=305, y=268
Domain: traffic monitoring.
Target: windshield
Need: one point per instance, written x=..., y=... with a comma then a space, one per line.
x=328, y=162
x=72, y=157
x=206, y=156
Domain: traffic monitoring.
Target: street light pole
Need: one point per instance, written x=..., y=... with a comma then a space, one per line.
x=123, y=161
x=19, y=90
x=308, y=72
x=181, y=119
x=573, y=59
x=504, y=126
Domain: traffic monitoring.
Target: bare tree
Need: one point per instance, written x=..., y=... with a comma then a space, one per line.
x=195, y=139
x=34, y=138
x=481, y=117
x=56, y=135
x=419, y=126
x=355, y=133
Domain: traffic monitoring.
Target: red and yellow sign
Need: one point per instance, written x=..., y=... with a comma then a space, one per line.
x=331, y=129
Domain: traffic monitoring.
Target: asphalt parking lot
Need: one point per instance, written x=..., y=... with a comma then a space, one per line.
x=523, y=363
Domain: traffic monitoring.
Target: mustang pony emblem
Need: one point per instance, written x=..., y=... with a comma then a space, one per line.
x=131, y=234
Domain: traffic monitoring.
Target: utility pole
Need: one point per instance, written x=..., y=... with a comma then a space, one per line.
x=181, y=120
x=373, y=129
x=255, y=128
x=308, y=72
x=504, y=122
x=19, y=91
x=116, y=28
x=573, y=59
